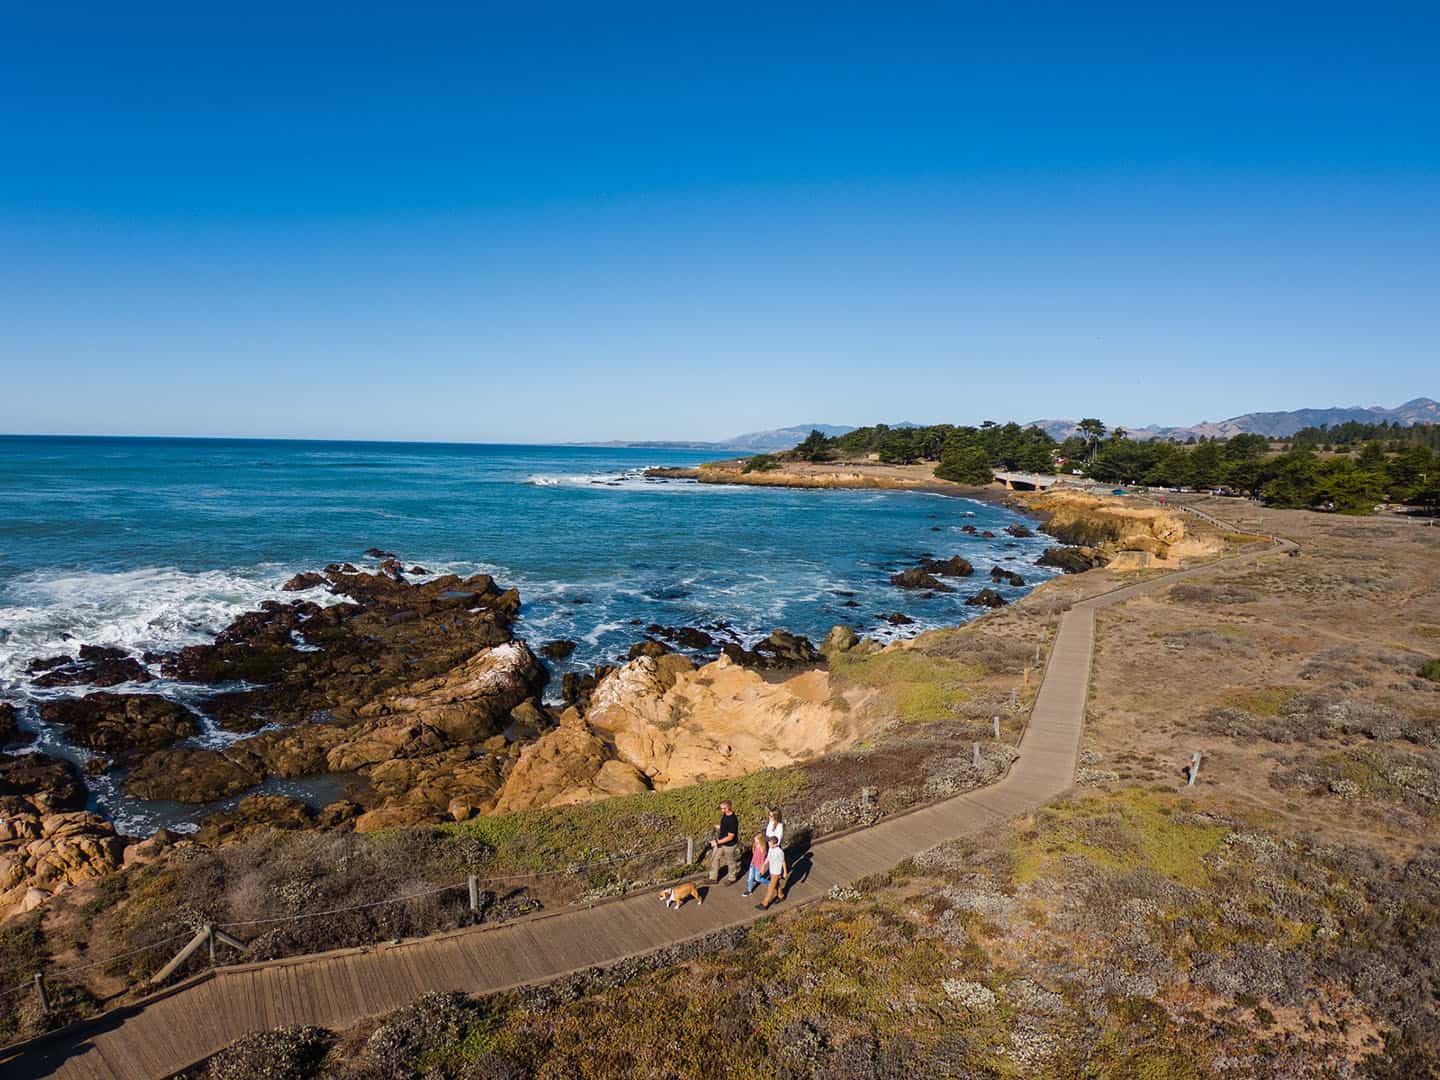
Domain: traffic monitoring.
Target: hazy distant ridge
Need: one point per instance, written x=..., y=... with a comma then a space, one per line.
x=1276, y=425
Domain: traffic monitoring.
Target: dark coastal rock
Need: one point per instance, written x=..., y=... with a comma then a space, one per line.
x=780, y=650
x=301, y=582
x=969, y=530
x=10, y=725
x=419, y=571
x=575, y=688
x=1019, y=531
x=376, y=553
x=1072, y=560
x=558, y=649
x=897, y=618
x=392, y=569
x=387, y=632
x=954, y=566
x=46, y=784
x=193, y=776
x=987, y=535
x=96, y=666
x=242, y=711
x=916, y=578
x=686, y=637
x=851, y=603
x=1000, y=575
x=784, y=647
x=339, y=815
x=255, y=814
x=46, y=663
x=648, y=647
x=986, y=598
x=121, y=723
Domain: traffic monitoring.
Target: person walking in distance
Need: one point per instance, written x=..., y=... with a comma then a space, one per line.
x=725, y=846
x=779, y=870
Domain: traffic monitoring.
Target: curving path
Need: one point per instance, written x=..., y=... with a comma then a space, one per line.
x=172, y=1030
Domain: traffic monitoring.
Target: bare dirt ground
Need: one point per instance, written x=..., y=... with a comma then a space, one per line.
x=1295, y=678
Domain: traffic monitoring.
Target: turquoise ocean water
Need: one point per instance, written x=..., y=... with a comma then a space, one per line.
x=156, y=543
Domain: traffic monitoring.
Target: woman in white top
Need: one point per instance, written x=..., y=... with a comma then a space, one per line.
x=775, y=827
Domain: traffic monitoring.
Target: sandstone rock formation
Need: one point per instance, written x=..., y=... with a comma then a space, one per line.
x=662, y=723
x=1114, y=526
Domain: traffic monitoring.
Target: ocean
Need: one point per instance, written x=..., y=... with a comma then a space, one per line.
x=157, y=543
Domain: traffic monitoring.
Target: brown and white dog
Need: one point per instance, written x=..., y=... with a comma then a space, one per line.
x=679, y=894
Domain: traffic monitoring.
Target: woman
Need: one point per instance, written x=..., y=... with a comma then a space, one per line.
x=775, y=827
x=759, y=855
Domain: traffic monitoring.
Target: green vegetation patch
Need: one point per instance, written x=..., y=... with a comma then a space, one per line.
x=924, y=687
x=1123, y=832
x=1430, y=670
x=1263, y=701
x=546, y=839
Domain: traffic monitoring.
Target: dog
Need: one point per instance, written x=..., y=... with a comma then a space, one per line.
x=679, y=894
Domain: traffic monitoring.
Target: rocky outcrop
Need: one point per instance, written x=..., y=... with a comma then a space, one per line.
x=1072, y=560
x=252, y=815
x=96, y=666
x=1019, y=531
x=781, y=649
x=1113, y=527
x=39, y=784
x=986, y=598
x=388, y=633
x=915, y=578
x=121, y=723
x=840, y=639
x=45, y=854
x=302, y=582
x=954, y=566
x=470, y=702
x=10, y=725
x=1001, y=576
x=660, y=722
x=558, y=649
x=194, y=776
x=568, y=765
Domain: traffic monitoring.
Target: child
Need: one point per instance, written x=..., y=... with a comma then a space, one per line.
x=778, y=870
x=758, y=859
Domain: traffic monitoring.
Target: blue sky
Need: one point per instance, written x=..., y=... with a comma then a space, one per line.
x=546, y=222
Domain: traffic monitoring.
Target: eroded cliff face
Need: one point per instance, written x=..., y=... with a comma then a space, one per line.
x=1127, y=535
x=659, y=722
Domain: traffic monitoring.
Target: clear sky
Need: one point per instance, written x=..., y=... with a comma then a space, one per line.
x=541, y=222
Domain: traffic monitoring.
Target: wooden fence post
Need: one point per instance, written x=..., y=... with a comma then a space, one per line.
x=474, y=893
x=40, y=989
x=201, y=937
x=975, y=753
x=996, y=721
x=689, y=851
x=865, y=798
x=1014, y=699
x=1194, y=768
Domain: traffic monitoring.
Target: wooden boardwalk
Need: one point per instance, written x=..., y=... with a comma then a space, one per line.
x=175, y=1029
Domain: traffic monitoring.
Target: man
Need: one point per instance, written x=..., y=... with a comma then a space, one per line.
x=724, y=845
x=779, y=870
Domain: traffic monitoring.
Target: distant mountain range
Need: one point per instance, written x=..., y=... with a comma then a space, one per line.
x=1275, y=425
x=751, y=441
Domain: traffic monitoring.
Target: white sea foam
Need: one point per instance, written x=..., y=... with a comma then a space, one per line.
x=46, y=613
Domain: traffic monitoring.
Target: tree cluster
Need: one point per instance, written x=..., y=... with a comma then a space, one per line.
x=967, y=455
x=1298, y=478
